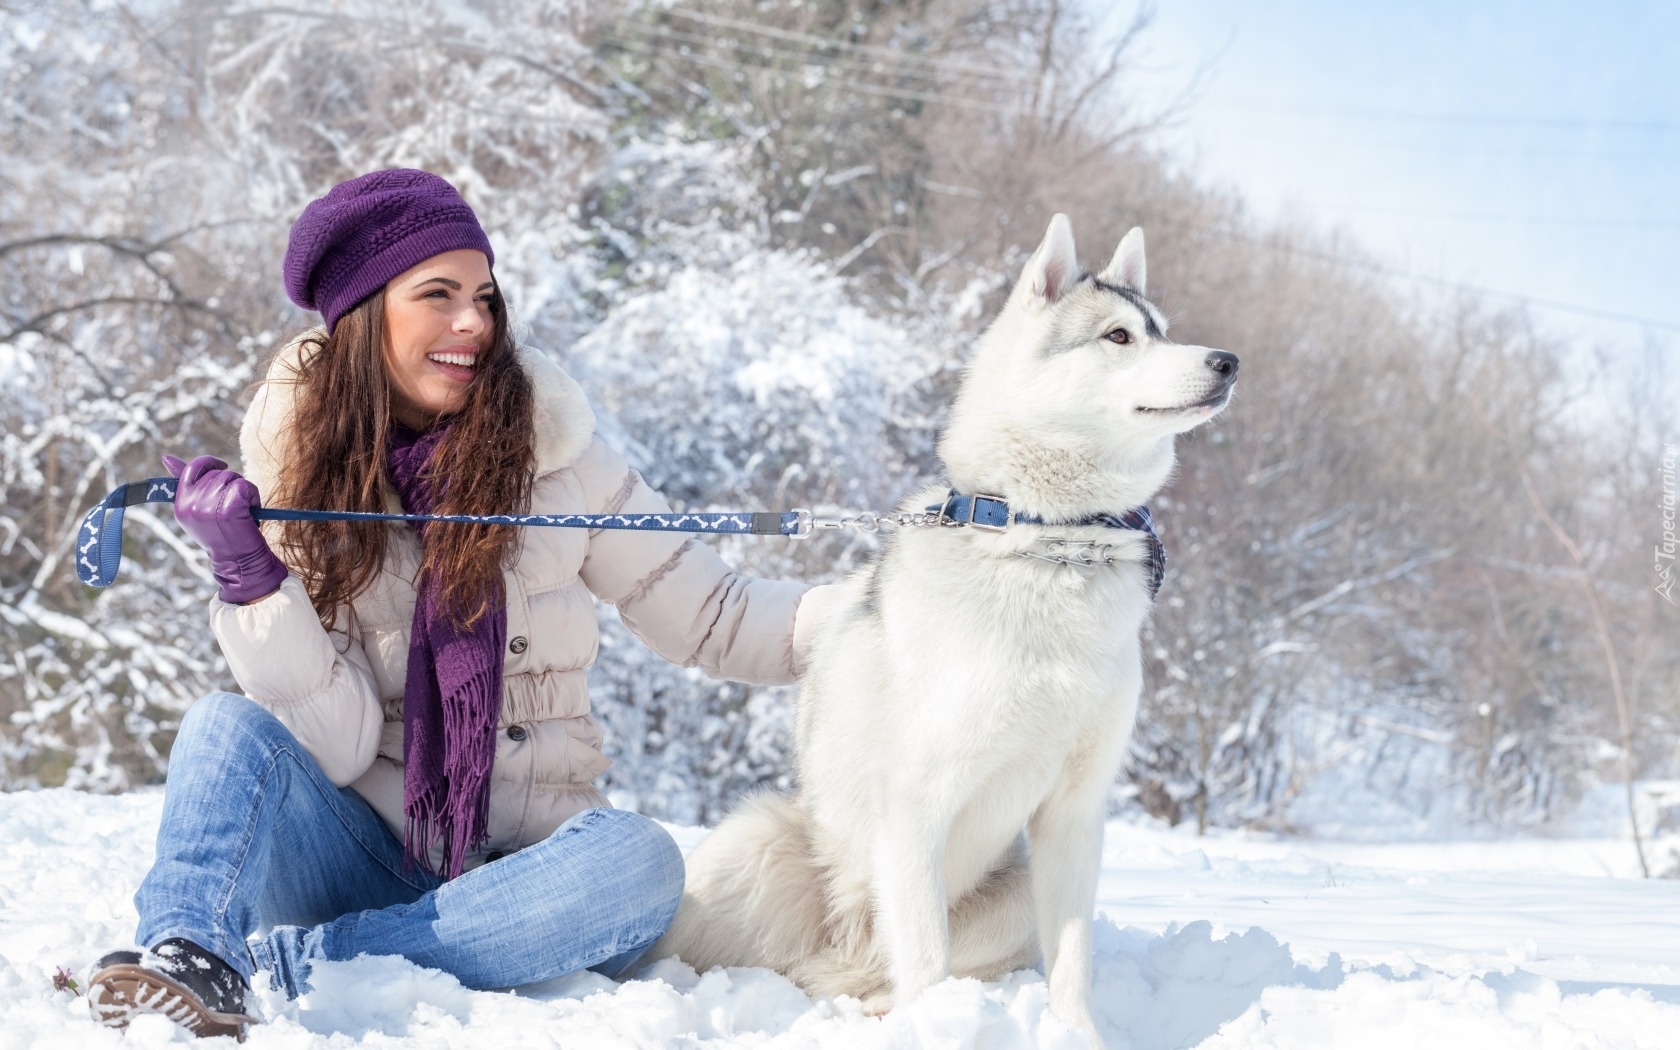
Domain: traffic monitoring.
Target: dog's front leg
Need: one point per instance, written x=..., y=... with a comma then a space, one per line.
x=1065, y=837
x=911, y=919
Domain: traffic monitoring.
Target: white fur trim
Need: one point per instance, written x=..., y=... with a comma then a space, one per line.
x=561, y=415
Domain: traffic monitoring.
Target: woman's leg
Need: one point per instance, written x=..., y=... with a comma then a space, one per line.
x=594, y=895
x=253, y=832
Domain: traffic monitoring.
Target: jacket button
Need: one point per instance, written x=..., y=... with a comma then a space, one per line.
x=517, y=732
x=517, y=646
x=495, y=855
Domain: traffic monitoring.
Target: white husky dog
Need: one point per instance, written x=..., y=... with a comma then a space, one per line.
x=976, y=683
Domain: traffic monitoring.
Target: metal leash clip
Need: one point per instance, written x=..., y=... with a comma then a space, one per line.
x=807, y=523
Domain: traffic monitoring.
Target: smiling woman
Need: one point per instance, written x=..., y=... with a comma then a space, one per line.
x=410, y=771
x=427, y=352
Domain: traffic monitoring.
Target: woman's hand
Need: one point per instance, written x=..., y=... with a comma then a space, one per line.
x=214, y=505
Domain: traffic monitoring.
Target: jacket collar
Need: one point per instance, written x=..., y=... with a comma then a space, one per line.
x=561, y=415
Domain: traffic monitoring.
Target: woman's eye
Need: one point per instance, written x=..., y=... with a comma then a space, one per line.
x=1120, y=336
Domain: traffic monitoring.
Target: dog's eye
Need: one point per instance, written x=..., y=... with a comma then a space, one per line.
x=1120, y=336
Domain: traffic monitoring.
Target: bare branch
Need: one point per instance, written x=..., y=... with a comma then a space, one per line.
x=1601, y=623
x=839, y=265
x=1347, y=587
x=38, y=322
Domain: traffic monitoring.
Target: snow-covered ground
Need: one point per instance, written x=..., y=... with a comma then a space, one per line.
x=1227, y=941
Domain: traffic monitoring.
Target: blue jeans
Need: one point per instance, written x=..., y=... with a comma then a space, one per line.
x=255, y=837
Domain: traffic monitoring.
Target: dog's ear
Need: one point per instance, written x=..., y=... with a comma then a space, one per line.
x=1126, y=269
x=1054, y=266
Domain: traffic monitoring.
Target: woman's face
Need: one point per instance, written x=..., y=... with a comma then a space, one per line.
x=437, y=322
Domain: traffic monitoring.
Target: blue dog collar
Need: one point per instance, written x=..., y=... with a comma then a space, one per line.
x=992, y=513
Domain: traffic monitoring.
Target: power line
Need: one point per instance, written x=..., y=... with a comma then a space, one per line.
x=1445, y=148
x=905, y=94
x=946, y=65
x=930, y=68
x=1443, y=117
x=804, y=57
x=1527, y=220
x=907, y=63
x=1442, y=282
x=895, y=54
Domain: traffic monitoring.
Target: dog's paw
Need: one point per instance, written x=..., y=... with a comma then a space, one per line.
x=878, y=1004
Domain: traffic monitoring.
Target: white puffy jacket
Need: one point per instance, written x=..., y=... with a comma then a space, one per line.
x=340, y=691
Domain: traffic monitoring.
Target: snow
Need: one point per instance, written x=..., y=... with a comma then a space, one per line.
x=1220, y=942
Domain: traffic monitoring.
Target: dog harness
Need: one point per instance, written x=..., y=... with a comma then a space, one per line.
x=992, y=512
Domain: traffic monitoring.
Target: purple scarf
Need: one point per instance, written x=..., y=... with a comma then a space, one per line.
x=453, y=695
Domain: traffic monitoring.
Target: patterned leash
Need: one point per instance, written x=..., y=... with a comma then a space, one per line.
x=99, y=541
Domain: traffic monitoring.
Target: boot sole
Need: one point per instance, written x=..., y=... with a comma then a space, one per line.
x=118, y=993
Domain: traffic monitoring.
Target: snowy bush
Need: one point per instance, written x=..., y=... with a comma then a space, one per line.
x=765, y=262
x=736, y=377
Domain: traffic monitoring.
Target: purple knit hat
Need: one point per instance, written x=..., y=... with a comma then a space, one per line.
x=369, y=229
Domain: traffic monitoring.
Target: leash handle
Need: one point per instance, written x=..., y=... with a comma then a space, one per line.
x=99, y=540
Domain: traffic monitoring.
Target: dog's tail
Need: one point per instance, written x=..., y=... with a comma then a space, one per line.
x=753, y=896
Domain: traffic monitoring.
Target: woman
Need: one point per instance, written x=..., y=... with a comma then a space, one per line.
x=410, y=769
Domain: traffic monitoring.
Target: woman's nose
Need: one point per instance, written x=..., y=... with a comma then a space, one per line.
x=471, y=319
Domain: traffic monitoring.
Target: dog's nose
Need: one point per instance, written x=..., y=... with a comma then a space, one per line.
x=1223, y=362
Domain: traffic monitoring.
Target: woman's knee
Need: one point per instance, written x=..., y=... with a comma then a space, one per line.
x=220, y=721
x=646, y=863
x=662, y=861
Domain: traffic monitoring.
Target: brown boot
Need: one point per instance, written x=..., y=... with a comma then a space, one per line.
x=177, y=979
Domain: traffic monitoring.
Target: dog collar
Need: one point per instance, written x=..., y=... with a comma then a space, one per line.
x=992, y=513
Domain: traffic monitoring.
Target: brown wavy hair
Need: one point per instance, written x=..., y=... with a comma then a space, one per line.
x=338, y=438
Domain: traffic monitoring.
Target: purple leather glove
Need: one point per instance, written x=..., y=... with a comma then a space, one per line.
x=214, y=505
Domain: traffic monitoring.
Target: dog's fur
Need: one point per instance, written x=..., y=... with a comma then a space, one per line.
x=967, y=709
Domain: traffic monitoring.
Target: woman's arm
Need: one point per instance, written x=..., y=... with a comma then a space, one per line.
x=680, y=597
x=318, y=684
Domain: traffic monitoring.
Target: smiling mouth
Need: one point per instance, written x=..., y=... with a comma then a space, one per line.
x=1215, y=400
x=453, y=357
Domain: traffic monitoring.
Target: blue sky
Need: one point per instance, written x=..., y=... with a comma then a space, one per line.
x=1532, y=148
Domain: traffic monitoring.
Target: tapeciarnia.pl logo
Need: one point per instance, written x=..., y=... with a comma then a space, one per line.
x=1666, y=546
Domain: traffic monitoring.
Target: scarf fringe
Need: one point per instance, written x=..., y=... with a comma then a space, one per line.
x=455, y=810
